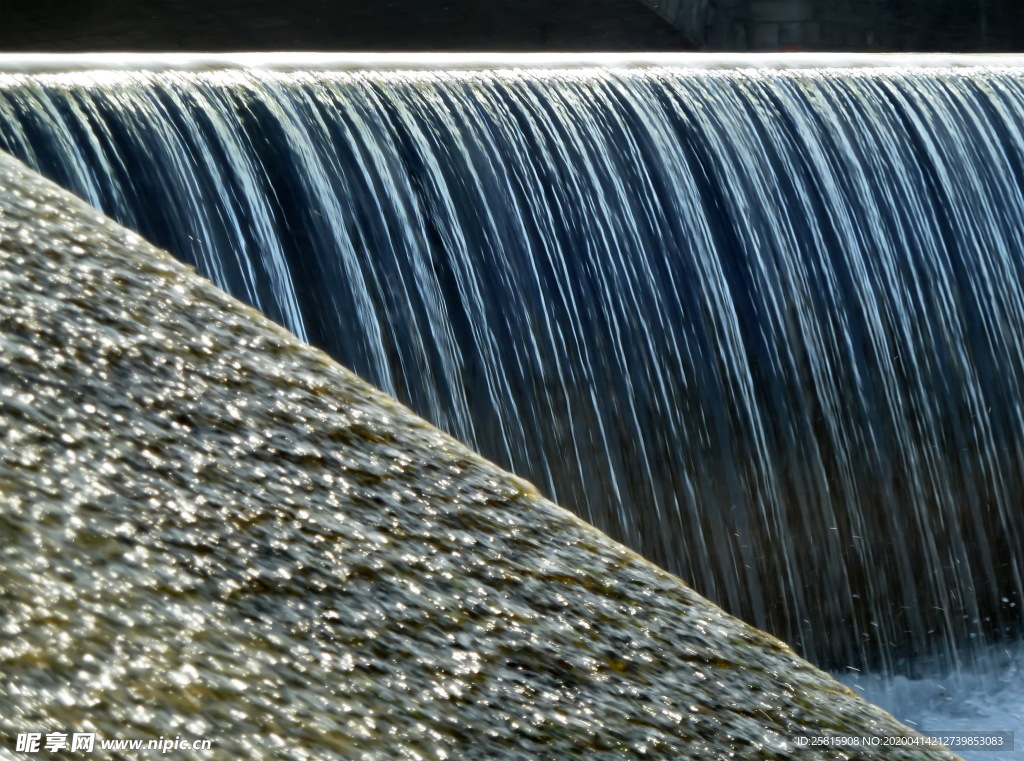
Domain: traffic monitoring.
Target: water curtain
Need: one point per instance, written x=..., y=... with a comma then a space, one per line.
x=763, y=325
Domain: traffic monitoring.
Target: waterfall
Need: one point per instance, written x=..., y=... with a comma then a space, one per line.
x=762, y=324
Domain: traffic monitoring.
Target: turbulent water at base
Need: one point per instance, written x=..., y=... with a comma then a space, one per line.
x=987, y=698
x=763, y=326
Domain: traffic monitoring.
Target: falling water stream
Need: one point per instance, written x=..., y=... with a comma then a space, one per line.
x=760, y=320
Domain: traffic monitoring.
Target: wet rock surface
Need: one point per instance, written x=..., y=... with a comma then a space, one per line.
x=210, y=530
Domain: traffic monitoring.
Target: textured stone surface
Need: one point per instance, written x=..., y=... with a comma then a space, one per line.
x=208, y=529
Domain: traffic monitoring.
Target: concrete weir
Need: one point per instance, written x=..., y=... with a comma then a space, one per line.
x=210, y=531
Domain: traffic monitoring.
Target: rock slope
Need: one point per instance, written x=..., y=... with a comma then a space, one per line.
x=209, y=530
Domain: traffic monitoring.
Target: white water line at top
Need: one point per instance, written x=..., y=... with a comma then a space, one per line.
x=285, y=61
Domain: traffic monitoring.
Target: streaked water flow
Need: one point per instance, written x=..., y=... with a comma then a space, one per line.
x=763, y=325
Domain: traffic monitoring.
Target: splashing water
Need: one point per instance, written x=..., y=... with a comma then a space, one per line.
x=985, y=698
x=762, y=325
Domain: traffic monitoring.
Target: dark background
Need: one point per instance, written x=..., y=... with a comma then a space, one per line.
x=864, y=25
x=955, y=25
x=333, y=25
x=512, y=25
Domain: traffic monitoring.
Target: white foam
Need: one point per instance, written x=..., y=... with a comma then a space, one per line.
x=986, y=697
x=38, y=62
